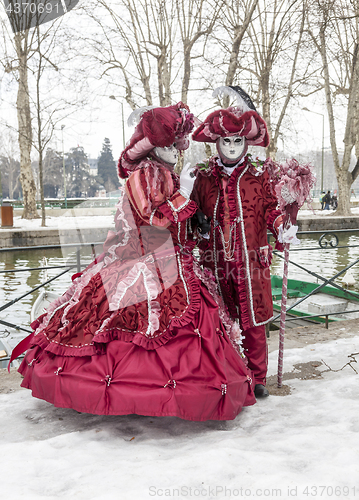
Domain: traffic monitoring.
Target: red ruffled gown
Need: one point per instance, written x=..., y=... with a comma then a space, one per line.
x=139, y=332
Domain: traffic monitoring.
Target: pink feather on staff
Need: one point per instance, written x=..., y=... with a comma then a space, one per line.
x=292, y=184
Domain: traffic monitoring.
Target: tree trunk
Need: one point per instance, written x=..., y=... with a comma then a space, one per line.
x=344, y=183
x=40, y=144
x=208, y=150
x=167, y=83
x=11, y=181
x=164, y=79
x=264, y=84
x=160, y=77
x=341, y=171
x=186, y=71
x=43, y=214
x=233, y=61
x=25, y=132
x=179, y=165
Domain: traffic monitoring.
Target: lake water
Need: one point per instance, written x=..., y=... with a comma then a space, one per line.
x=325, y=262
x=14, y=284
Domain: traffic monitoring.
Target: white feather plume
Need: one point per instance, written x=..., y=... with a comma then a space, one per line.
x=135, y=116
x=223, y=91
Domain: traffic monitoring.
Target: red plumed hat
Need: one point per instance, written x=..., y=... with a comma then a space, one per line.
x=157, y=127
x=242, y=120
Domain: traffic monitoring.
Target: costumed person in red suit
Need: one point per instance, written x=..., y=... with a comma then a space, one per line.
x=235, y=192
x=140, y=330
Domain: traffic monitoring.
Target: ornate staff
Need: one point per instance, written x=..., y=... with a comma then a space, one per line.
x=293, y=183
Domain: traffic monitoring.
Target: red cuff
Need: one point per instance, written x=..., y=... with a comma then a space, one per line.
x=279, y=246
x=274, y=220
x=178, y=208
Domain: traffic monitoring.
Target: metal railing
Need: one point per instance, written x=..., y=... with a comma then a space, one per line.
x=109, y=200
x=311, y=316
x=67, y=267
x=327, y=241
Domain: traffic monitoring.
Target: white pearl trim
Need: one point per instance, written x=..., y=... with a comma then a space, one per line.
x=182, y=278
x=245, y=250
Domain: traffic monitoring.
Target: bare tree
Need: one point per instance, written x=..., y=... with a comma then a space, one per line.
x=334, y=28
x=234, y=21
x=31, y=56
x=147, y=47
x=16, y=61
x=18, y=64
x=41, y=141
x=51, y=57
x=276, y=38
x=135, y=41
x=263, y=49
x=196, y=20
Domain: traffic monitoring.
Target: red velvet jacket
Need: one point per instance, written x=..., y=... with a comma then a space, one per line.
x=242, y=207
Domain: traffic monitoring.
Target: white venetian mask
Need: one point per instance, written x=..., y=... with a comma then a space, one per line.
x=167, y=154
x=231, y=148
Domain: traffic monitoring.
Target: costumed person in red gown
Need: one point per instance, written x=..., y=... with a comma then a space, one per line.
x=235, y=192
x=140, y=331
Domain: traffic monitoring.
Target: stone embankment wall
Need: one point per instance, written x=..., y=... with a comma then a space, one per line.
x=327, y=223
x=12, y=238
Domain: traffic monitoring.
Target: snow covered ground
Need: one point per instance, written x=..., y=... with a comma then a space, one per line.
x=84, y=221
x=309, y=213
x=66, y=222
x=304, y=445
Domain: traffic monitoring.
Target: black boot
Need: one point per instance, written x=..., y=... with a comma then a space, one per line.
x=260, y=391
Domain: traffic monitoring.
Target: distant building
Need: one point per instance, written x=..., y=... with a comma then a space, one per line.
x=93, y=164
x=101, y=192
